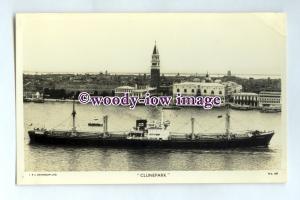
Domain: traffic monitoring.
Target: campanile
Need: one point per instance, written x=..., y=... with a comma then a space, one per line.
x=155, y=68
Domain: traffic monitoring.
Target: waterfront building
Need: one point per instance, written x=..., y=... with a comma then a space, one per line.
x=232, y=87
x=119, y=91
x=199, y=89
x=92, y=88
x=245, y=99
x=134, y=91
x=155, y=69
x=140, y=92
x=270, y=99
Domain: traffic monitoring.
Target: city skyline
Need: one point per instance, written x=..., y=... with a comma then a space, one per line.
x=248, y=43
x=148, y=73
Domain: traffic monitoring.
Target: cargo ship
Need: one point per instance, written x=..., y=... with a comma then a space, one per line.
x=151, y=134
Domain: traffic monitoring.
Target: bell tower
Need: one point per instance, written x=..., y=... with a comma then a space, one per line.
x=155, y=68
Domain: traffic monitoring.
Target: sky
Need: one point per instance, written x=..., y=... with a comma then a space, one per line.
x=248, y=43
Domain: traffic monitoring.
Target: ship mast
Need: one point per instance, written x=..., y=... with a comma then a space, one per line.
x=162, y=118
x=73, y=115
x=192, y=122
x=227, y=122
x=105, y=127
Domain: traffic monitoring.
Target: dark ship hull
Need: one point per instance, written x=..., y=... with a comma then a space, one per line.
x=218, y=142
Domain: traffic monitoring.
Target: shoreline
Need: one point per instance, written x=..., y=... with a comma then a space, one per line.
x=170, y=107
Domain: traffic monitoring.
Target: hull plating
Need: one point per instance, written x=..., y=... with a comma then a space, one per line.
x=220, y=143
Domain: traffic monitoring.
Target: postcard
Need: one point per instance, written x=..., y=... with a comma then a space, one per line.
x=139, y=98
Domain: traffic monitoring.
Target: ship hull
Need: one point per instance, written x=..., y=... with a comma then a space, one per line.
x=121, y=141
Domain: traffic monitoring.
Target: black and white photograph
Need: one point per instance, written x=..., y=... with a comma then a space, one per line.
x=151, y=98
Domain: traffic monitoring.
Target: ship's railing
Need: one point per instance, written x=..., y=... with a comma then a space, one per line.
x=58, y=132
x=174, y=135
